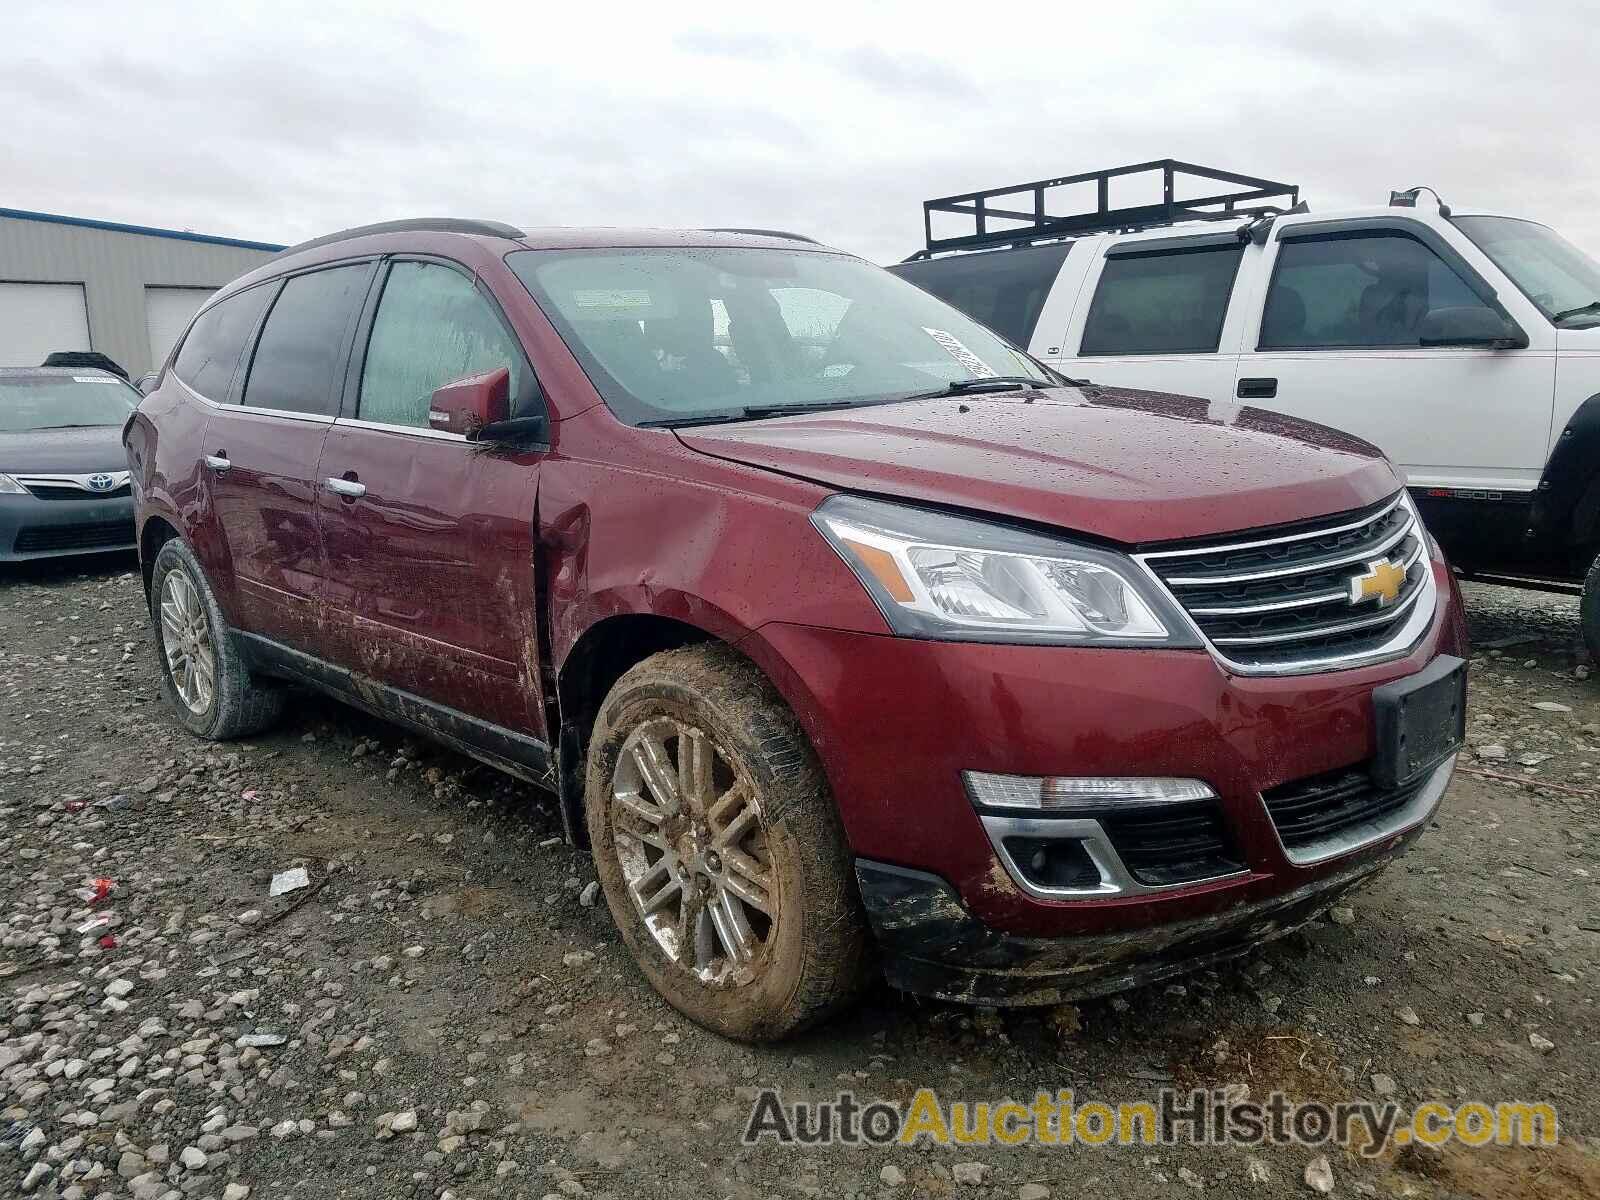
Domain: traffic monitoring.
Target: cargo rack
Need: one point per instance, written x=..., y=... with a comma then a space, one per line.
x=1254, y=197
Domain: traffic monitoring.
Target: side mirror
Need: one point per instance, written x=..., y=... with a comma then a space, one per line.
x=146, y=383
x=467, y=405
x=1470, y=325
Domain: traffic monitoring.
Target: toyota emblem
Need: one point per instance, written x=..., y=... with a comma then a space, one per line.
x=101, y=482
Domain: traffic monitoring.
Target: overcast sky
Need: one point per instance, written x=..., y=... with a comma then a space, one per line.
x=279, y=123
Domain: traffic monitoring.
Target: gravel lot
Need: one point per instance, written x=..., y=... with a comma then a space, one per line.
x=440, y=1013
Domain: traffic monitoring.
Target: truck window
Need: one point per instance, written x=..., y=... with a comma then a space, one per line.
x=1339, y=292
x=1163, y=302
x=1003, y=289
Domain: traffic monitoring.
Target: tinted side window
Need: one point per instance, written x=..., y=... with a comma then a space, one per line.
x=1165, y=302
x=1371, y=290
x=298, y=363
x=216, y=340
x=1003, y=289
x=432, y=328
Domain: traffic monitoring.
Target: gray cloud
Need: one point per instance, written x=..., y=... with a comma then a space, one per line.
x=282, y=122
x=875, y=67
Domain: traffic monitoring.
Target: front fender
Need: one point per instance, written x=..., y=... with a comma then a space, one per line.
x=718, y=546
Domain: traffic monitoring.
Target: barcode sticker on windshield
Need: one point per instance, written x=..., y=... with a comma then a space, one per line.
x=975, y=367
x=93, y=379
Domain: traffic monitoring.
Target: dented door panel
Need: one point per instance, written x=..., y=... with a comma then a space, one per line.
x=430, y=571
x=261, y=502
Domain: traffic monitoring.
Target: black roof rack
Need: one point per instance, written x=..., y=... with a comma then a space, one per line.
x=413, y=225
x=1041, y=225
x=772, y=233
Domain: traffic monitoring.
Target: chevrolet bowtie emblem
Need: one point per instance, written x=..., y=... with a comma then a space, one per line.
x=1381, y=581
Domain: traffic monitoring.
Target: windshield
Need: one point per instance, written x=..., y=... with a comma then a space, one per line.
x=680, y=334
x=62, y=401
x=1550, y=270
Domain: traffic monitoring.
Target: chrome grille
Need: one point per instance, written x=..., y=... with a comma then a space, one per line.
x=1290, y=599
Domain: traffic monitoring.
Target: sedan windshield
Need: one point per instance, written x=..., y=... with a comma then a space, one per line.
x=677, y=335
x=1561, y=279
x=29, y=402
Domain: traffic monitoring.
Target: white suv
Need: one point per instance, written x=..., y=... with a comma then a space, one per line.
x=1465, y=346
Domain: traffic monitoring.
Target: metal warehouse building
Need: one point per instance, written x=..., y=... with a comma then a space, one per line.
x=67, y=283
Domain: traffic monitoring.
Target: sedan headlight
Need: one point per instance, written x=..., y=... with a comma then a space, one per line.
x=935, y=575
x=10, y=487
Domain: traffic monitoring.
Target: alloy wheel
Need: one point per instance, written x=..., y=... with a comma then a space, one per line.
x=186, y=641
x=691, y=840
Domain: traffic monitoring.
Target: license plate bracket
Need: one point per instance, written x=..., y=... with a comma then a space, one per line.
x=1421, y=721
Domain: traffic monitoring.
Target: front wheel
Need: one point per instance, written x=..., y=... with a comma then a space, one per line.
x=1589, y=611
x=719, y=849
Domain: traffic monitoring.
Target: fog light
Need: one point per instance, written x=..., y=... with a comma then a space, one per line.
x=1054, y=862
x=1064, y=794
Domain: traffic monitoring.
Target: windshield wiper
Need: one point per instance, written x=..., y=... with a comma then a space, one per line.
x=1591, y=307
x=985, y=383
x=753, y=412
x=77, y=425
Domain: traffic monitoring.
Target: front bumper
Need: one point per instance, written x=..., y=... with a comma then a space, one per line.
x=895, y=722
x=32, y=528
x=933, y=946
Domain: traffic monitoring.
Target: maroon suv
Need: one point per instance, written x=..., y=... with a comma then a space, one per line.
x=844, y=631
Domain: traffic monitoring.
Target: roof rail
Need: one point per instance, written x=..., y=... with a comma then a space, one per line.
x=413, y=225
x=772, y=233
x=1039, y=225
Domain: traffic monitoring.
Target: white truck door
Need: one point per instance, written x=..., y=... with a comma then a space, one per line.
x=1155, y=313
x=1377, y=325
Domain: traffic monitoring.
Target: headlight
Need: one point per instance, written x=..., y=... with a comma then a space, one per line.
x=10, y=487
x=939, y=576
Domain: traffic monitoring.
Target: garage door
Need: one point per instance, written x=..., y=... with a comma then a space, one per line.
x=37, y=318
x=166, y=315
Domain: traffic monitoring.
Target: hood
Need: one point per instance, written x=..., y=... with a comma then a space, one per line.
x=63, y=451
x=1126, y=466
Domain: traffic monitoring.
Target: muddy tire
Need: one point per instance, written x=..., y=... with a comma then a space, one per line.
x=719, y=848
x=203, y=674
x=1589, y=611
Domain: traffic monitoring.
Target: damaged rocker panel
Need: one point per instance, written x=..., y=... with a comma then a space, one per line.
x=518, y=754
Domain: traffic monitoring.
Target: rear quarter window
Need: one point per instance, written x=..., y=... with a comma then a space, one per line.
x=1164, y=302
x=1003, y=289
x=210, y=353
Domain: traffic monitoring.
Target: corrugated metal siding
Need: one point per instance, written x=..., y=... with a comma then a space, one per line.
x=114, y=268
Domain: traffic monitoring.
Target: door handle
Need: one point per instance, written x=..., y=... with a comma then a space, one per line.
x=218, y=462
x=1257, y=389
x=348, y=488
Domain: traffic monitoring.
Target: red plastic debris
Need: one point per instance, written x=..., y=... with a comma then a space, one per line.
x=109, y=942
x=74, y=806
x=102, y=889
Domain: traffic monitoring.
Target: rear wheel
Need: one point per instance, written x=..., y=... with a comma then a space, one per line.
x=719, y=848
x=203, y=674
x=1589, y=611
